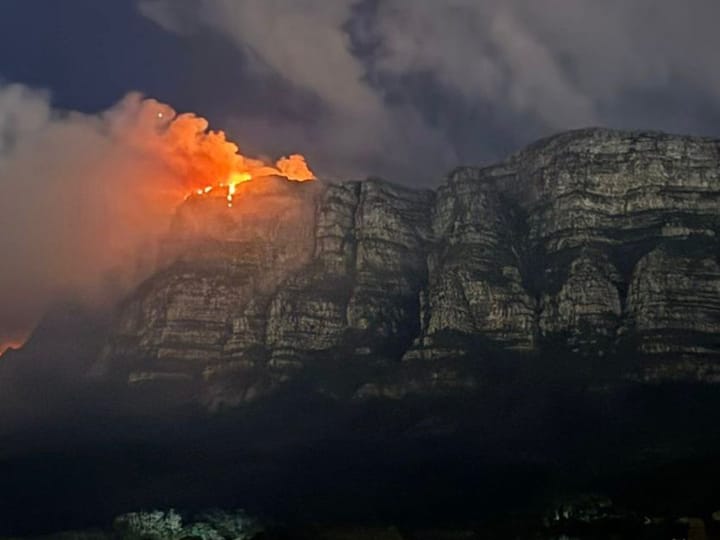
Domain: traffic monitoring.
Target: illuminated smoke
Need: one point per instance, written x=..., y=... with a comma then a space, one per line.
x=85, y=198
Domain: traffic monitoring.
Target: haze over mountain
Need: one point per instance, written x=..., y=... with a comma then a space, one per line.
x=325, y=291
x=597, y=244
x=524, y=316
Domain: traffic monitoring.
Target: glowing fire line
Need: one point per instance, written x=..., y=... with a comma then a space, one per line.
x=293, y=168
x=9, y=346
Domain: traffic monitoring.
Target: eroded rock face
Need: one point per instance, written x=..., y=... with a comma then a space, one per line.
x=674, y=307
x=368, y=268
x=587, y=309
x=210, y=304
x=603, y=208
x=591, y=242
x=475, y=285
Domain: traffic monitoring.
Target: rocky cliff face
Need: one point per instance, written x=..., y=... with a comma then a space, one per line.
x=593, y=243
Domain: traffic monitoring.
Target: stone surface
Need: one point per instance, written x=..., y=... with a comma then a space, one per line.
x=586, y=310
x=674, y=307
x=596, y=243
x=475, y=285
x=369, y=266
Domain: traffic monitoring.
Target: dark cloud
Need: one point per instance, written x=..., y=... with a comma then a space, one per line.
x=401, y=88
x=305, y=43
x=409, y=86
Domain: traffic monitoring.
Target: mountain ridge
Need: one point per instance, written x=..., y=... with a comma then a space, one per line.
x=596, y=244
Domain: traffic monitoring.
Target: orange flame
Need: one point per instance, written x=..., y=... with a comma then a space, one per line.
x=10, y=345
x=205, y=158
x=160, y=157
x=293, y=167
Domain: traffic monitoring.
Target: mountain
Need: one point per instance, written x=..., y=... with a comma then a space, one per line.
x=545, y=328
x=597, y=246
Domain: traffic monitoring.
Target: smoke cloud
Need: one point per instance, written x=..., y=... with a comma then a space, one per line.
x=306, y=43
x=465, y=80
x=85, y=198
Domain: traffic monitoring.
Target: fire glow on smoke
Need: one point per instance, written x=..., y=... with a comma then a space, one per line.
x=97, y=242
x=5, y=347
x=292, y=167
x=218, y=164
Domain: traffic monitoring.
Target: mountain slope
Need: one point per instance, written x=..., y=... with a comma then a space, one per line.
x=596, y=243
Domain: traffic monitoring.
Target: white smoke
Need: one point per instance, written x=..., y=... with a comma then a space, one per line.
x=84, y=198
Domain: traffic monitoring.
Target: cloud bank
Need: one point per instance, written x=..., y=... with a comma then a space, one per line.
x=408, y=88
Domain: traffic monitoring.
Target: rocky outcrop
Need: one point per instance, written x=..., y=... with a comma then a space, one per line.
x=599, y=203
x=674, y=309
x=475, y=286
x=369, y=265
x=587, y=309
x=203, y=319
x=593, y=243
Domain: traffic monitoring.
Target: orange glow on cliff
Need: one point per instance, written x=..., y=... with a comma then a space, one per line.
x=5, y=347
x=293, y=167
x=112, y=185
x=204, y=159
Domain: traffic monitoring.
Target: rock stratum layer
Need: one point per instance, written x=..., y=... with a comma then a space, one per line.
x=597, y=244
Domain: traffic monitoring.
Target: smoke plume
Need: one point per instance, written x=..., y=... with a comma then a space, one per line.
x=85, y=198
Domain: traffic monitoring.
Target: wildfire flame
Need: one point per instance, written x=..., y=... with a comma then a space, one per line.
x=292, y=167
x=206, y=158
x=112, y=183
x=10, y=345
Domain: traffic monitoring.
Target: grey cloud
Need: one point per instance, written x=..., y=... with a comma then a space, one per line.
x=481, y=51
x=568, y=63
x=494, y=72
x=306, y=43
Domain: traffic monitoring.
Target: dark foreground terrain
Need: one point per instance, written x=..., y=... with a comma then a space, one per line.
x=508, y=457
